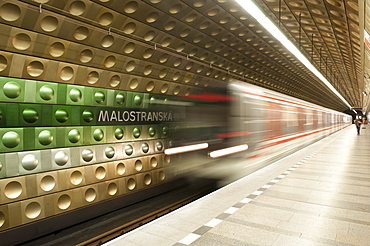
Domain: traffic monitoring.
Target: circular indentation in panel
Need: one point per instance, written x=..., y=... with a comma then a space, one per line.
x=152, y=17
x=49, y=23
x=76, y=177
x=99, y=97
x=118, y=133
x=11, y=139
x=114, y=81
x=148, y=53
x=151, y=131
x=2, y=219
x=107, y=41
x=81, y=33
x=130, y=66
x=159, y=146
x=129, y=28
x=136, y=132
x=167, y=159
x=149, y=36
x=184, y=33
x=129, y=48
x=87, y=155
x=30, y=115
x=120, y=98
x=177, y=90
x=75, y=95
x=74, y=136
x=148, y=70
x=112, y=189
x=150, y=86
x=21, y=41
x=45, y=137
x=87, y=116
x=152, y=100
x=90, y=195
x=134, y=83
x=334, y=3
x=56, y=49
x=170, y=26
x=131, y=7
x=109, y=152
x=147, y=179
x=64, y=201
x=66, y=73
x=61, y=158
x=47, y=183
x=165, y=130
x=29, y=162
x=13, y=190
x=129, y=149
x=162, y=176
x=177, y=62
x=33, y=210
x=138, y=100
x=61, y=115
x=191, y=17
x=175, y=9
x=145, y=148
x=189, y=65
x=100, y=173
x=106, y=19
x=153, y=162
x=77, y=8
x=131, y=184
x=213, y=12
x=10, y=12
x=35, y=68
x=86, y=56
x=98, y=134
x=166, y=42
x=164, y=88
x=198, y=38
x=92, y=77
x=3, y=63
x=121, y=168
x=110, y=61
x=204, y=25
x=163, y=58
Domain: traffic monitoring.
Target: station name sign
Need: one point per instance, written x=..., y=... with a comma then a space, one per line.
x=133, y=116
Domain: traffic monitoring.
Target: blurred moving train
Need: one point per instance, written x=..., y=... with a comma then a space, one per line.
x=251, y=127
x=73, y=152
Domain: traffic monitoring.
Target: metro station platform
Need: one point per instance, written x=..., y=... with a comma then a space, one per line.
x=319, y=195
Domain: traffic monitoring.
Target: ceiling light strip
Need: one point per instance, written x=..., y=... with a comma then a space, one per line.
x=257, y=13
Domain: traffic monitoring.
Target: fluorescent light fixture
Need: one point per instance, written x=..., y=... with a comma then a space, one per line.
x=182, y=149
x=228, y=151
x=254, y=10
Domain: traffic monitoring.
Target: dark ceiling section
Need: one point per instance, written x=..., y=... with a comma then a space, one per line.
x=207, y=42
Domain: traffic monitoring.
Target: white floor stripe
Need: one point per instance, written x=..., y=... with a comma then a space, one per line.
x=189, y=238
x=213, y=222
x=257, y=193
x=246, y=200
x=231, y=210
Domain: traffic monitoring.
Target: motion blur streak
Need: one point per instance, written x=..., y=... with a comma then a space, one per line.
x=228, y=151
x=182, y=149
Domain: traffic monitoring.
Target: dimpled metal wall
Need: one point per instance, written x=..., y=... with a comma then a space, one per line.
x=61, y=68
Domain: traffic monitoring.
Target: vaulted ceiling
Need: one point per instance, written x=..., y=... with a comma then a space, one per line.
x=199, y=43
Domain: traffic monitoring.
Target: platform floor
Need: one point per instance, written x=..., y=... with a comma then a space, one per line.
x=318, y=196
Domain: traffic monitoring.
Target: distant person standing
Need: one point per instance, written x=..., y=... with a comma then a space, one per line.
x=358, y=125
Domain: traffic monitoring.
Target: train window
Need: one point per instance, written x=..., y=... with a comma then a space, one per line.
x=290, y=116
x=319, y=118
x=309, y=118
